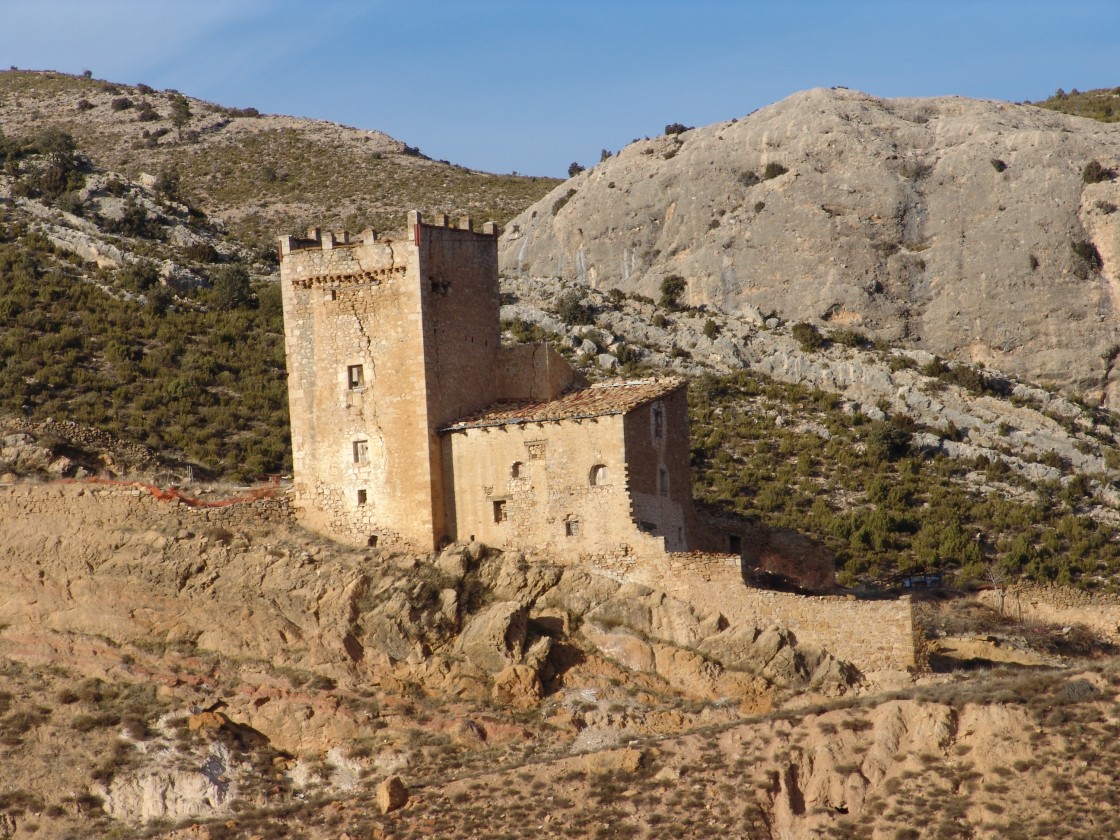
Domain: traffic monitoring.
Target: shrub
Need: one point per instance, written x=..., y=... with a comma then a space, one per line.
x=672, y=287
x=139, y=276
x=1094, y=173
x=574, y=169
x=748, y=178
x=849, y=338
x=808, y=336
x=561, y=201
x=84, y=105
x=677, y=128
x=998, y=165
x=202, y=252
x=886, y=441
x=144, y=89
x=1087, y=254
x=711, y=329
x=759, y=206
x=167, y=184
x=572, y=309
x=147, y=113
x=120, y=103
x=231, y=287
x=773, y=170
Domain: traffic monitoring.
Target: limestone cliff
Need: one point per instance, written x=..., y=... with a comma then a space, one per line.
x=962, y=227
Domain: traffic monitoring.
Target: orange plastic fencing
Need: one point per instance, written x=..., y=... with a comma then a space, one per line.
x=172, y=494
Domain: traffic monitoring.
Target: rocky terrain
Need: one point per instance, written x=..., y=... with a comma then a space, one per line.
x=195, y=669
x=980, y=231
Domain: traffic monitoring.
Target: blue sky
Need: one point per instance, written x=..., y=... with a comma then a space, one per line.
x=529, y=86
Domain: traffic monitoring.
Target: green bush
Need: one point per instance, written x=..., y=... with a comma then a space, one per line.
x=120, y=103
x=230, y=287
x=808, y=336
x=672, y=287
x=711, y=329
x=572, y=309
x=773, y=170
x=1094, y=173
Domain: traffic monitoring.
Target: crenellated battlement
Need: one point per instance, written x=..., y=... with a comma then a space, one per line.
x=317, y=239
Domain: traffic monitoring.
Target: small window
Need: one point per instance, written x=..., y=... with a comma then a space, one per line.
x=647, y=527
x=499, y=510
x=598, y=476
x=734, y=544
x=658, y=421
x=355, y=377
x=332, y=294
x=571, y=528
x=515, y=470
x=662, y=482
x=361, y=451
x=361, y=497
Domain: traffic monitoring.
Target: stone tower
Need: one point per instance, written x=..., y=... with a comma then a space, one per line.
x=387, y=341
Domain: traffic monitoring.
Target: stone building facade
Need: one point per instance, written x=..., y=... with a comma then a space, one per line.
x=412, y=424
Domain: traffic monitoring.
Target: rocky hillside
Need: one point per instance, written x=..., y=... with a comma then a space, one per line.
x=197, y=669
x=258, y=173
x=980, y=231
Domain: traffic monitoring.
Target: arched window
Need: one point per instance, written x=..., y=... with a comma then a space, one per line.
x=598, y=475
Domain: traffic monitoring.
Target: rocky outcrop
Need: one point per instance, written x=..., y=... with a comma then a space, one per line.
x=958, y=226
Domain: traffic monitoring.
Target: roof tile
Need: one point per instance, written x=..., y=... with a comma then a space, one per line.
x=600, y=399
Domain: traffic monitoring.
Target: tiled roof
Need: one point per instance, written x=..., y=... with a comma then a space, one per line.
x=597, y=400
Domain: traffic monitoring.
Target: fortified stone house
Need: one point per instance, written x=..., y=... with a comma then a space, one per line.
x=412, y=424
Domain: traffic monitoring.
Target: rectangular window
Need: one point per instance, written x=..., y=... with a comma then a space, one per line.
x=333, y=294
x=499, y=510
x=735, y=544
x=663, y=482
x=361, y=451
x=361, y=497
x=658, y=422
x=355, y=377
x=571, y=528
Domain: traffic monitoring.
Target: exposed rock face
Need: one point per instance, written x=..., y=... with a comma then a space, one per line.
x=948, y=223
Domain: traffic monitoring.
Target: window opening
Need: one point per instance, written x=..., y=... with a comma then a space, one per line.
x=658, y=422
x=355, y=377
x=499, y=510
x=662, y=481
x=571, y=528
x=334, y=294
x=361, y=451
x=598, y=475
x=515, y=470
x=735, y=544
x=647, y=527
x=361, y=497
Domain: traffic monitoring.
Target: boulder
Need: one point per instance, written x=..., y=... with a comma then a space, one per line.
x=517, y=686
x=391, y=795
x=494, y=638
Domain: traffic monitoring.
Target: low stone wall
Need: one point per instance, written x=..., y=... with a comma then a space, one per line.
x=1063, y=605
x=873, y=635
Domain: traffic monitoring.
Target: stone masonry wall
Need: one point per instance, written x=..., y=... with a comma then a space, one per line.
x=1060, y=605
x=660, y=479
x=874, y=635
x=529, y=486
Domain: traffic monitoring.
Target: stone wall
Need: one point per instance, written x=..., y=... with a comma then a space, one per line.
x=530, y=486
x=1062, y=605
x=874, y=635
x=660, y=477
